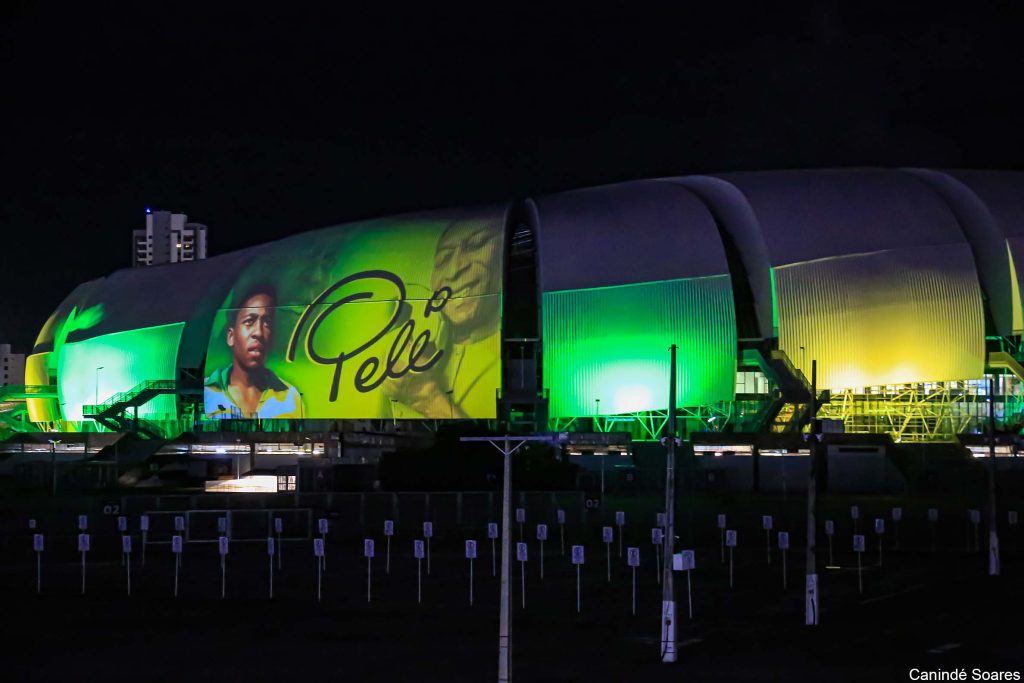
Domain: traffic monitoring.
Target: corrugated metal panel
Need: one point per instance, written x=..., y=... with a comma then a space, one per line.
x=888, y=317
x=612, y=344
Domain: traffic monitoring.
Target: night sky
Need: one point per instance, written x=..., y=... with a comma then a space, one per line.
x=262, y=125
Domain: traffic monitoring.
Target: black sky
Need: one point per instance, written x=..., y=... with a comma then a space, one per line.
x=265, y=124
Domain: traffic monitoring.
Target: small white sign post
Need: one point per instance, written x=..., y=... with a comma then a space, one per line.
x=606, y=536
x=897, y=517
x=633, y=560
x=620, y=521
x=560, y=518
x=577, y=559
x=389, y=531
x=520, y=520
x=975, y=516
x=322, y=528
x=521, y=557
x=368, y=554
x=176, y=546
x=688, y=562
x=855, y=516
x=858, y=549
x=318, y=553
x=179, y=527
x=492, y=533
x=122, y=526
x=144, y=528
x=222, y=547
x=126, y=551
x=83, y=523
x=542, y=535
x=767, y=523
x=37, y=546
x=721, y=536
x=784, y=546
x=31, y=524
x=278, y=528
x=661, y=520
x=270, y=554
x=830, y=531
x=656, y=541
x=428, y=533
x=880, y=532
x=933, y=519
x=417, y=550
x=470, y=555
x=83, y=547
x=730, y=543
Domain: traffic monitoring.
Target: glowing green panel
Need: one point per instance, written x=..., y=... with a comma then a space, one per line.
x=127, y=359
x=612, y=345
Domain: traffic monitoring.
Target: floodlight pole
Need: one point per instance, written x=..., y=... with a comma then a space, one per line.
x=668, y=596
x=811, y=582
x=993, y=519
x=505, y=621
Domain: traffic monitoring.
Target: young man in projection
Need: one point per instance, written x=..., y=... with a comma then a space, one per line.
x=247, y=388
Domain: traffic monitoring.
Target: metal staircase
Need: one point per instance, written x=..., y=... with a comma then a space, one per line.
x=113, y=413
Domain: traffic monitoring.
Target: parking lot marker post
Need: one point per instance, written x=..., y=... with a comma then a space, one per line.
x=278, y=528
x=492, y=533
x=606, y=537
x=176, y=549
x=858, y=549
x=222, y=547
x=880, y=532
x=417, y=550
x=368, y=554
x=688, y=562
x=766, y=524
x=830, y=531
x=855, y=516
x=126, y=551
x=122, y=526
x=933, y=518
x=633, y=559
x=784, y=546
x=520, y=520
x=897, y=516
x=83, y=547
x=428, y=531
x=179, y=526
x=721, y=535
x=620, y=521
x=542, y=535
x=730, y=543
x=656, y=541
x=318, y=552
x=470, y=555
x=144, y=527
x=389, y=531
x=560, y=518
x=322, y=524
x=37, y=546
x=270, y=554
x=577, y=559
x=521, y=550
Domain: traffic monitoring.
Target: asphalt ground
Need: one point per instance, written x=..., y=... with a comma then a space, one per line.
x=920, y=609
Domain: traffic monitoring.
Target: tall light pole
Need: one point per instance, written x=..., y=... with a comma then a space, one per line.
x=811, y=579
x=668, y=594
x=993, y=519
x=597, y=428
x=505, y=621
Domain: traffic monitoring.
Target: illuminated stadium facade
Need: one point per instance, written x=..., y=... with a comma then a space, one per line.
x=556, y=314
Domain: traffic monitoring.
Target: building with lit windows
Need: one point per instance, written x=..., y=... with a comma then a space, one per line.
x=168, y=238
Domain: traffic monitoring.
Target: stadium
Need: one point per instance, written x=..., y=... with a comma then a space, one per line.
x=554, y=314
